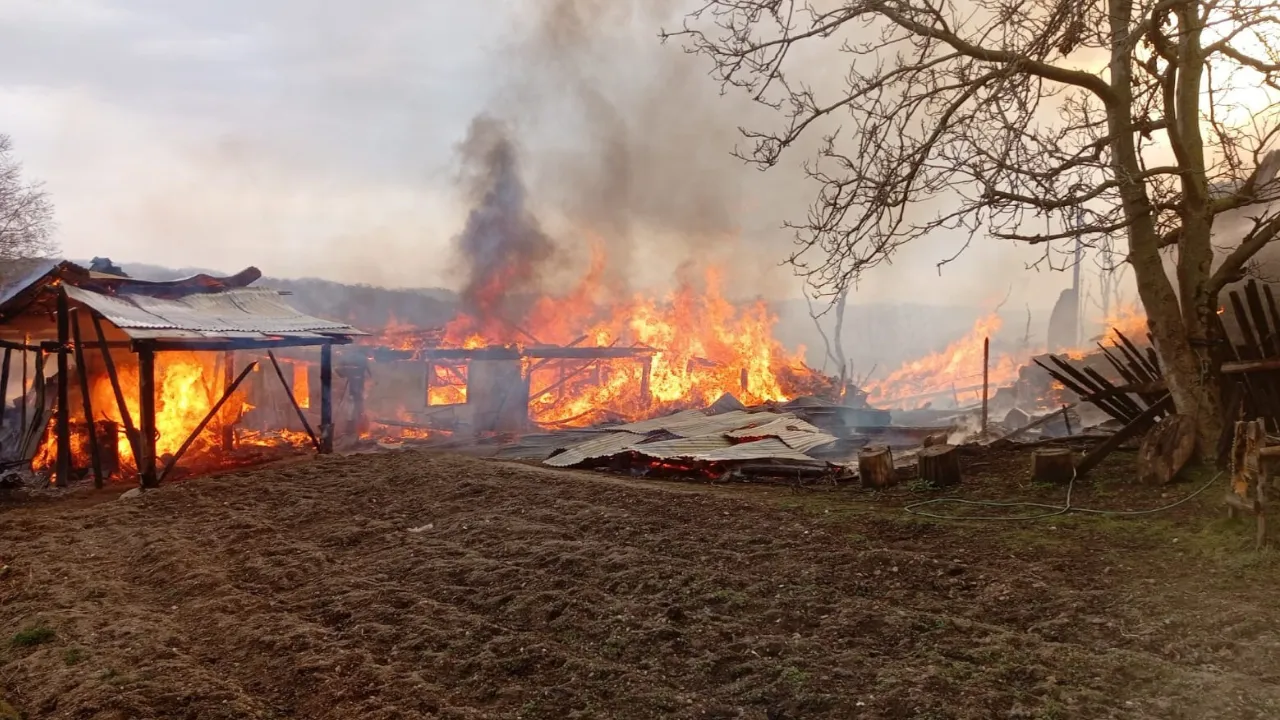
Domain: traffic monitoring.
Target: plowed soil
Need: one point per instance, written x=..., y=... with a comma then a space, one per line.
x=411, y=584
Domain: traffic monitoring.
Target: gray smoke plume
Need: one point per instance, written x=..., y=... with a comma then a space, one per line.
x=502, y=247
x=631, y=144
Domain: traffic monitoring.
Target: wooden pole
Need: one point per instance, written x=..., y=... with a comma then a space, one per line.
x=645, y=381
x=228, y=379
x=82, y=371
x=4, y=384
x=130, y=431
x=431, y=376
x=288, y=391
x=986, y=369
x=62, y=425
x=186, y=444
x=326, y=399
x=22, y=430
x=147, y=409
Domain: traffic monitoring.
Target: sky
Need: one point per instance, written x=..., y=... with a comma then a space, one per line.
x=319, y=138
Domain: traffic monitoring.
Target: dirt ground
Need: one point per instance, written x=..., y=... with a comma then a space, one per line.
x=412, y=584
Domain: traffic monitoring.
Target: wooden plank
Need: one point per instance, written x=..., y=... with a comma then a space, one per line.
x=213, y=411
x=288, y=391
x=86, y=399
x=1135, y=426
x=130, y=431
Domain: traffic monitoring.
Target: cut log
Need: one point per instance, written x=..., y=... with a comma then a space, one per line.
x=1166, y=449
x=875, y=467
x=939, y=466
x=1053, y=465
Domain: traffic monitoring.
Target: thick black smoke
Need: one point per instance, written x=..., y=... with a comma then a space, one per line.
x=502, y=248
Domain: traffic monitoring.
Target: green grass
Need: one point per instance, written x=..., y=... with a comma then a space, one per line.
x=33, y=636
x=74, y=656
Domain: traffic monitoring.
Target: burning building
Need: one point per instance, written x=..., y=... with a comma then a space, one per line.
x=148, y=374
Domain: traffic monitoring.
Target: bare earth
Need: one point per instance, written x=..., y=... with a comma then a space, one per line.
x=413, y=585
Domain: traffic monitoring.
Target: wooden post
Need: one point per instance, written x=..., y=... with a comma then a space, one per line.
x=228, y=377
x=4, y=384
x=62, y=425
x=645, y=380
x=147, y=409
x=130, y=432
x=875, y=467
x=431, y=376
x=82, y=371
x=1066, y=419
x=939, y=466
x=22, y=430
x=1052, y=465
x=744, y=378
x=326, y=399
x=986, y=371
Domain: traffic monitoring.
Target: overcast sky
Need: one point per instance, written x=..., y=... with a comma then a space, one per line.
x=316, y=137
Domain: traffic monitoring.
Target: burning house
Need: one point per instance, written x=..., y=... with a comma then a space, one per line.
x=122, y=376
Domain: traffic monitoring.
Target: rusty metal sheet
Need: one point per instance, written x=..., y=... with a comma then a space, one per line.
x=245, y=312
x=791, y=430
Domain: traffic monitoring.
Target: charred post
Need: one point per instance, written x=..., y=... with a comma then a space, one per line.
x=875, y=467
x=82, y=371
x=228, y=378
x=1166, y=449
x=986, y=378
x=646, y=377
x=22, y=419
x=4, y=383
x=431, y=376
x=147, y=421
x=130, y=432
x=939, y=466
x=62, y=427
x=1053, y=466
x=326, y=399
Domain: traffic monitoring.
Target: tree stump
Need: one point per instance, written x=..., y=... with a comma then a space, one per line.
x=875, y=467
x=939, y=466
x=1166, y=449
x=1055, y=466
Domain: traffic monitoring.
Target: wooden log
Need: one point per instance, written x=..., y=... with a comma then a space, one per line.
x=1053, y=465
x=293, y=402
x=213, y=412
x=130, y=431
x=939, y=466
x=875, y=467
x=1247, y=486
x=1166, y=449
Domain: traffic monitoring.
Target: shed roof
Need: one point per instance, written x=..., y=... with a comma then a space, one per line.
x=199, y=309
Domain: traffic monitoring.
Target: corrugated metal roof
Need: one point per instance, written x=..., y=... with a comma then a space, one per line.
x=243, y=312
x=791, y=430
x=692, y=423
x=603, y=446
x=689, y=447
x=717, y=448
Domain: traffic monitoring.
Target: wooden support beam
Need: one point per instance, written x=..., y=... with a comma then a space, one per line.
x=288, y=391
x=213, y=411
x=326, y=399
x=62, y=423
x=130, y=430
x=147, y=423
x=4, y=384
x=228, y=345
x=26, y=390
x=82, y=371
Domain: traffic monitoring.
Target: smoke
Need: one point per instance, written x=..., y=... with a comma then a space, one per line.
x=502, y=246
x=623, y=143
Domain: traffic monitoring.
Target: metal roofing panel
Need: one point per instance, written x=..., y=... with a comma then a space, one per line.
x=253, y=311
x=692, y=423
x=603, y=446
x=688, y=447
x=794, y=432
x=717, y=448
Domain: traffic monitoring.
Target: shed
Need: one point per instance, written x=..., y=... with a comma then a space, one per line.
x=96, y=318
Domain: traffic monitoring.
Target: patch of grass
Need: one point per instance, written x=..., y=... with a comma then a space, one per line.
x=794, y=676
x=33, y=636
x=74, y=655
x=731, y=598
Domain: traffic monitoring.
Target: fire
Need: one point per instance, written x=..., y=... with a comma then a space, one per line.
x=302, y=385
x=1129, y=319
x=696, y=343
x=955, y=372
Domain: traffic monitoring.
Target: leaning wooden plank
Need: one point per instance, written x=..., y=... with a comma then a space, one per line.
x=1135, y=426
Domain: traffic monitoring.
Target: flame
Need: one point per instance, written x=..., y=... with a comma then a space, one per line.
x=1129, y=319
x=302, y=385
x=955, y=371
x=696, y=344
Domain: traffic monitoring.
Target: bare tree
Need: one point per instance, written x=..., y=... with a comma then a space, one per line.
x=1119, y=120
x=26, y=214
